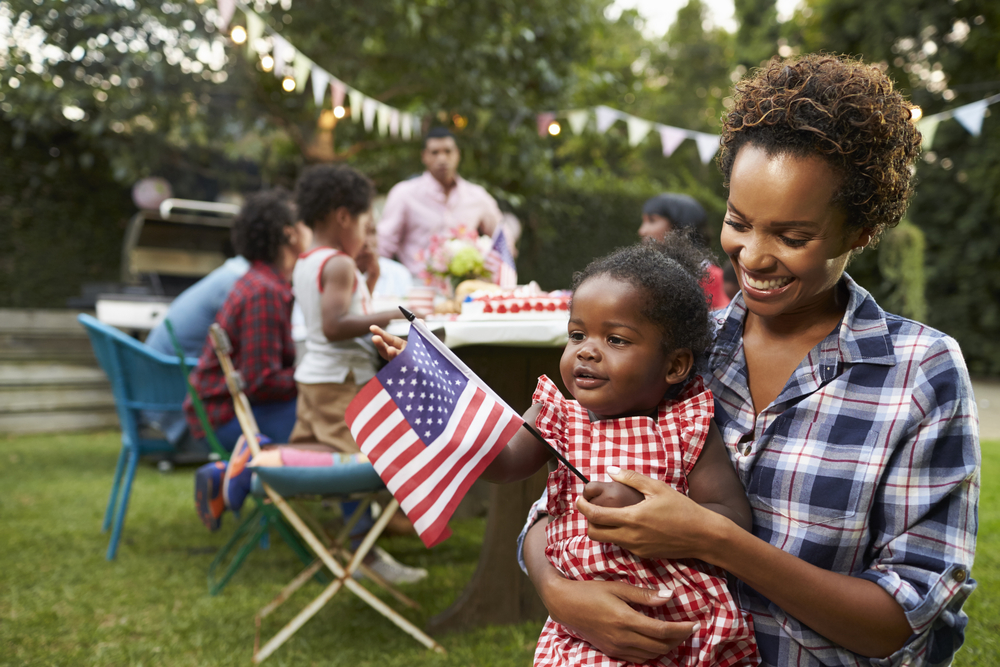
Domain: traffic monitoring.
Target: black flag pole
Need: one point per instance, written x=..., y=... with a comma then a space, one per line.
x=531, y=429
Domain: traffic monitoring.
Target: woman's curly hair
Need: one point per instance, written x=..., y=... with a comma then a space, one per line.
x=324, y=188
x=258, y=230
x=841, y=109
x=669, y=273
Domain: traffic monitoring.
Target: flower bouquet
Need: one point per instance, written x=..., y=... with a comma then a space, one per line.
x=454, y=257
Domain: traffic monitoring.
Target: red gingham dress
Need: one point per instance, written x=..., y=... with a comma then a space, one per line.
x=664, y=449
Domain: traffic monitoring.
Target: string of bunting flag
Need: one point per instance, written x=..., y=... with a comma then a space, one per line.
x=396, y=123
x=970, y=116
x=283, y=55
x=638, y=128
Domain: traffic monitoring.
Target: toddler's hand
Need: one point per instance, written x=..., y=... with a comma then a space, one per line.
x=388, y=346
x=611, y=494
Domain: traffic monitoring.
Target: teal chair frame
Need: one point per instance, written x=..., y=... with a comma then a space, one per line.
x=141, y=379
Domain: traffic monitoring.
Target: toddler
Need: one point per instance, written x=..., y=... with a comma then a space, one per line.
x=638, y=326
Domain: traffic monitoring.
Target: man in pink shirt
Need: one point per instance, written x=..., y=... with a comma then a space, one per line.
x=433, y=203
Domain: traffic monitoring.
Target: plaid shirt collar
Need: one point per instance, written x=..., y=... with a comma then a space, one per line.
x=862, y=336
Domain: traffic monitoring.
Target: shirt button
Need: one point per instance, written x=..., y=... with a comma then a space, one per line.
x=746, y=450
x=959, y=575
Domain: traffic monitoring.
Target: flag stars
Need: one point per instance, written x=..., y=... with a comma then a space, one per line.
x=411, y=395
x=399, y=394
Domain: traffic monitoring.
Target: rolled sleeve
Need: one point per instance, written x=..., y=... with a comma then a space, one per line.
x=537, y=511
x=925, y=520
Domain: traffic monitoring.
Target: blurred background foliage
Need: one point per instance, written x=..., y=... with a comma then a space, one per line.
x=96, y=94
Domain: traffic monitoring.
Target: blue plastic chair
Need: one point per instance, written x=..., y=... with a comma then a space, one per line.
x=141, y=379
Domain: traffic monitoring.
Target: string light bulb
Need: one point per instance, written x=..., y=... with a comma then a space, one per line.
x=288, y=84
x=554, y=128
x=238, y=35
x=916, y=113
x=339, y=111
x=267, y=63
x=460, y=121
x=326, y=120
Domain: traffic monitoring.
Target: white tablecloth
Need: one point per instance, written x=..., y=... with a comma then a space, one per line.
x=512, y=332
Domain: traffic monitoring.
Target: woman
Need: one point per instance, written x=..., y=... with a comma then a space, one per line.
x=257, y=317
x=853, y=431
x=672, y=212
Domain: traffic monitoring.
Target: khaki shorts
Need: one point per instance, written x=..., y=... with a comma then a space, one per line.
x=319, y=414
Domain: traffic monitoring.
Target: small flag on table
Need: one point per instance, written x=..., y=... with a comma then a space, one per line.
x=500, y=262
x=430, y=427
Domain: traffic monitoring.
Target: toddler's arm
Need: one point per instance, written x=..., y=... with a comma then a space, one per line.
x=714, y=484
x=523, y=456
x=338, y=288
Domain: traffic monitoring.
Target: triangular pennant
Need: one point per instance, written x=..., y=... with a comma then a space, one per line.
x=383, y=119
x=393, y=123
x=368, y=109
x=708, y=145
x=606, y=117
x=578, y=120
x=320, y=77
x=255, y=30
x=928, y=128
x=671, y=138
x=406, y=126
x=638, y=128
x=543, y=120
x=971, y=116
x=283, y=53
x=226, y=10
x=301, y=68
x=357, y=103
x=337, y=92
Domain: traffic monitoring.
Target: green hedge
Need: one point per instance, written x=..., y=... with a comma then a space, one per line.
x=62, y=219
x=583, y=215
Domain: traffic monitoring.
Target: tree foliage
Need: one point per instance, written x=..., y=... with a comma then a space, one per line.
x=944, y=55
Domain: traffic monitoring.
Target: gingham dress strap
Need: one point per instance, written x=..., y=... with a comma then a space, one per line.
x=686, y=420
x=551, y=421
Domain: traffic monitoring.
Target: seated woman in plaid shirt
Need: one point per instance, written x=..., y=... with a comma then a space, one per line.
x=854, y=431
x=257, y=317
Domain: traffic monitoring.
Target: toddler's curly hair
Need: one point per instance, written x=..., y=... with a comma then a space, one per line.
x=670, y=273
x=841, y=109
x=258, y=230
x=323, y=188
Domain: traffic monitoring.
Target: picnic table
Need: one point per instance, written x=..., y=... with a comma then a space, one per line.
x=508, y=355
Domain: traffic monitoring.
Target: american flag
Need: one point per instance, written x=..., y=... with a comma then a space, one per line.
x=430, y=427
x=500, y=262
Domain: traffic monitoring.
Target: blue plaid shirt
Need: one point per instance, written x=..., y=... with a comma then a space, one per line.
x=866, y=464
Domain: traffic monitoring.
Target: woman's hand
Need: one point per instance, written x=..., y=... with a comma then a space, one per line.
x=388, y=346
x=600, y=611
x=666, y=524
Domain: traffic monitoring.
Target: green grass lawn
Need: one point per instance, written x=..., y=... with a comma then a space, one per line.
x=61, y=603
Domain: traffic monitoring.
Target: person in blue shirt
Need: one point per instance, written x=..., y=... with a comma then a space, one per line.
x=194, y=309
